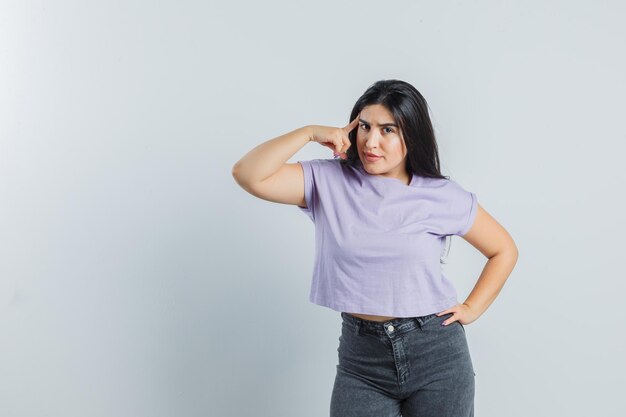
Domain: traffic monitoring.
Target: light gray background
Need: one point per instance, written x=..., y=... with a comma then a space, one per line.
x=138, y=279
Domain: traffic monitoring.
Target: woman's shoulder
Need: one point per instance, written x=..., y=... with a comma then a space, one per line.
x=430, y=182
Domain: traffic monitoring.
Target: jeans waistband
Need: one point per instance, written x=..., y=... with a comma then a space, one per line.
x=400, y=324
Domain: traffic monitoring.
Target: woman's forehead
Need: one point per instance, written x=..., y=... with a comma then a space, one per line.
x=377, y=115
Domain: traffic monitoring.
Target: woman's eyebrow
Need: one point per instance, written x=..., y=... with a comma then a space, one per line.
x=381, y=125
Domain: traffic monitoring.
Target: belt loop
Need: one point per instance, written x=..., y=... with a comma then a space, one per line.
x=419, y=322
x=357, y=326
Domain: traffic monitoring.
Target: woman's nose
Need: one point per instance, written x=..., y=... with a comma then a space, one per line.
x=371, y=140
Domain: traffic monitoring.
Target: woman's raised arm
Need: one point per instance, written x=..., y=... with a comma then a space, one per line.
x=265, y=173
x=266, y=159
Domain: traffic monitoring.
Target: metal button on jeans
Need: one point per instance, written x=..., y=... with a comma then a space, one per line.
x=390, y=328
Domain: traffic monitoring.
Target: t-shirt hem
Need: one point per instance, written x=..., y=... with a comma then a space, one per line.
x=396, y=312
x=472, y=215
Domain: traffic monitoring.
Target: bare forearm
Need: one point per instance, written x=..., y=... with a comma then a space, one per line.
x=491, y=280
x=267, y=158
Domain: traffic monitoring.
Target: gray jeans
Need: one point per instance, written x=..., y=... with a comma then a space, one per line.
x=403, y=367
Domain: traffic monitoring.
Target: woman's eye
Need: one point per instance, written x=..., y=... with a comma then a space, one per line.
x=390, y=130
x=364, y=126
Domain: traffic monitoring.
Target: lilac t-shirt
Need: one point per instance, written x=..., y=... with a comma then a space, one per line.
x=378, y=242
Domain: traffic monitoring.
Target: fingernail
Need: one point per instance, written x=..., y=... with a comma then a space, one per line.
x=443, y=324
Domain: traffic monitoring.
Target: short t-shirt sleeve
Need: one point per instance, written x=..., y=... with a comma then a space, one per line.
x=309, y=169
x=460, y=210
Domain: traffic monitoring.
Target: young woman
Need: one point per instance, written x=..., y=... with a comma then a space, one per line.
x=382, y=213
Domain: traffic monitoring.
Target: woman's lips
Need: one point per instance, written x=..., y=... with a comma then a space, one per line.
x=371, y=158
